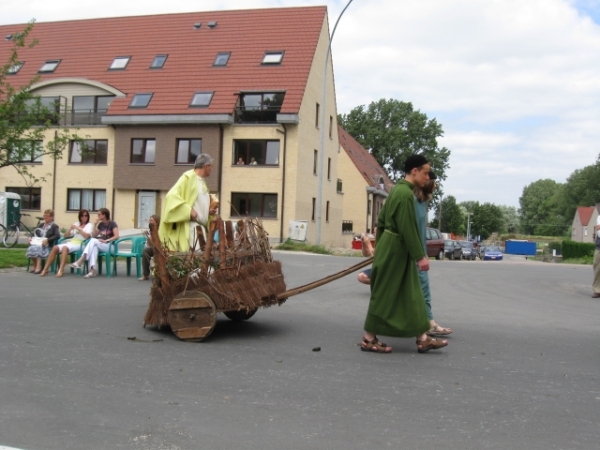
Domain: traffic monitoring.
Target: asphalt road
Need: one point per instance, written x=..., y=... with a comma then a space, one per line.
x=521, y=370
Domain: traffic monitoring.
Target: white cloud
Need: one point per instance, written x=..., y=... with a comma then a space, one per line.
x=514, y=83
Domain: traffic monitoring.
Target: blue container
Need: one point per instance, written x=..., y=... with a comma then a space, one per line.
x=520, y=248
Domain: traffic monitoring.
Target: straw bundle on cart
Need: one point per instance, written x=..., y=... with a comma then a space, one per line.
x=235, y=274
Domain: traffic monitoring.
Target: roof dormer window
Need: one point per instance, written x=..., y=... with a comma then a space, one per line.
x=140, y=100
x=222, y=59
x=201, y=99
x=49, y=66
x=273, y=57
x=159, y=61
x=119, y=63
x=12, y=70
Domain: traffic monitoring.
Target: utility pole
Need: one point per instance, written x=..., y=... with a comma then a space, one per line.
x=440, y=214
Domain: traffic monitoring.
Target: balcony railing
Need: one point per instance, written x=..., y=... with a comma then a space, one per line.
x=252, y=114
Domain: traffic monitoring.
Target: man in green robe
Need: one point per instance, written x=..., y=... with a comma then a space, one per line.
x=187, y=204
x=397, y=306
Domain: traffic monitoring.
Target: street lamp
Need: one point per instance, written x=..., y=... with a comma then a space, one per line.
x=322, y=130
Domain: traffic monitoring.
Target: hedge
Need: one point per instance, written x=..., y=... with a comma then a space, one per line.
x=572, y=249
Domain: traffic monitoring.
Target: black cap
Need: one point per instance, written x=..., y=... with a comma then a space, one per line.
x=414, y=161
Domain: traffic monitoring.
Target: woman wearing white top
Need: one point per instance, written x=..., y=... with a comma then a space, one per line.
x=79, y=232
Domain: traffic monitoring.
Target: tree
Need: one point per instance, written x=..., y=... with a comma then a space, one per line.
x=392, y=130
x=485, y=220
x=24, y=120
x=453, y=219
x=581, y=189
x=510, y=219
x=540, y=211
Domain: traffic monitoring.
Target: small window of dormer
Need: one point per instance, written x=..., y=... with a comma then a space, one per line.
x=201, y=99
x=14, y=69
x=119, y=63
x=159, y=61
x=140, y=100
x=273, y=58
x=49, y=66
x=222, y=59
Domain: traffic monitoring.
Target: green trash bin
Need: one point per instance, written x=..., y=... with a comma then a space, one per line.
x=10, y=208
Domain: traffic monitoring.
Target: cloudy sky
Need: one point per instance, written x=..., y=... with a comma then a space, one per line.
x=514, y=83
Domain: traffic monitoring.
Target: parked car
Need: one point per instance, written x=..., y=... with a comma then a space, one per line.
x=492, y=253
x=452, y=249
x=435, y=243
x=480, y=251
x=468, y=250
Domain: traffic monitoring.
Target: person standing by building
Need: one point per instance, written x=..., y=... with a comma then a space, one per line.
x=187, y=204
x=397, y=306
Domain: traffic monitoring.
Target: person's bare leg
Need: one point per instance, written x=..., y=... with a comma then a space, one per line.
x=363, y=278
x=370, y=343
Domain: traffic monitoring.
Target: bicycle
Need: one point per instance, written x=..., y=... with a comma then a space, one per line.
x=10, y=233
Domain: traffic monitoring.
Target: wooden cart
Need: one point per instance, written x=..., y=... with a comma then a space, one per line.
x=233, y=273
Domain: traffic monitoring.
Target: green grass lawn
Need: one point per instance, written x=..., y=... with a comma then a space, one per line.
x=13, y=257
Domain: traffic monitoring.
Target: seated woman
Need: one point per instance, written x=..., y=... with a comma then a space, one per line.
x=148, y=250
x=50, y=233
x=79, y=232
x=104, y=233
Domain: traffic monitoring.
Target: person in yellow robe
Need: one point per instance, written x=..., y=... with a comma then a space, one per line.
x=187, y=204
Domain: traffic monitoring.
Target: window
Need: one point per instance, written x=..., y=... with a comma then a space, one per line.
x=329, y=168
x=256, y=152
x=143, y=151
x=339, y=186
x=12, y=70
x=158, y=62
x=314, y=208
x=31, y=198
x=253, y=204
x=201, y=99
x=140, y=100
x=222, y=59
x=89, y=151
x=47, y=109
x=315, y=161
x=49, y=66
x=327, y=211
x=119, y=63
x=29, y=152
x=92, y=199
x=317, y=109
x=259, y=107
x=330, y=127
x=347, y=226
x=89, y=109
x=272, y=57
x=188, y=150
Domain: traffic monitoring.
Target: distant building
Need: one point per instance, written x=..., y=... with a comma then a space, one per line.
x=584, y=222
x=364, y=185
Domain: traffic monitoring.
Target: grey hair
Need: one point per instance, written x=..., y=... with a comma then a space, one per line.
x=202, y=160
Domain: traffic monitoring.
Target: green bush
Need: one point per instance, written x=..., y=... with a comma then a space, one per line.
x=572, y=249
x=302, y=247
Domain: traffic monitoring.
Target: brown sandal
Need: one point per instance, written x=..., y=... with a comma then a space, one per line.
x=374, y=346
x=430, y=344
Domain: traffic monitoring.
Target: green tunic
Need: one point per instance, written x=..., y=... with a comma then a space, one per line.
x=397, y=307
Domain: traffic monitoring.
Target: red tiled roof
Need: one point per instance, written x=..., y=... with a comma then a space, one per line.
x=86, y=49
x=366, y=164
x=585, y=213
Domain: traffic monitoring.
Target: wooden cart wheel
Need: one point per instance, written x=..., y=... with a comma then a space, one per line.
x=242, y=314
x=192, y=316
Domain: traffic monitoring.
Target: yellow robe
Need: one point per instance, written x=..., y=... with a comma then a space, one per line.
x=174, y=230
